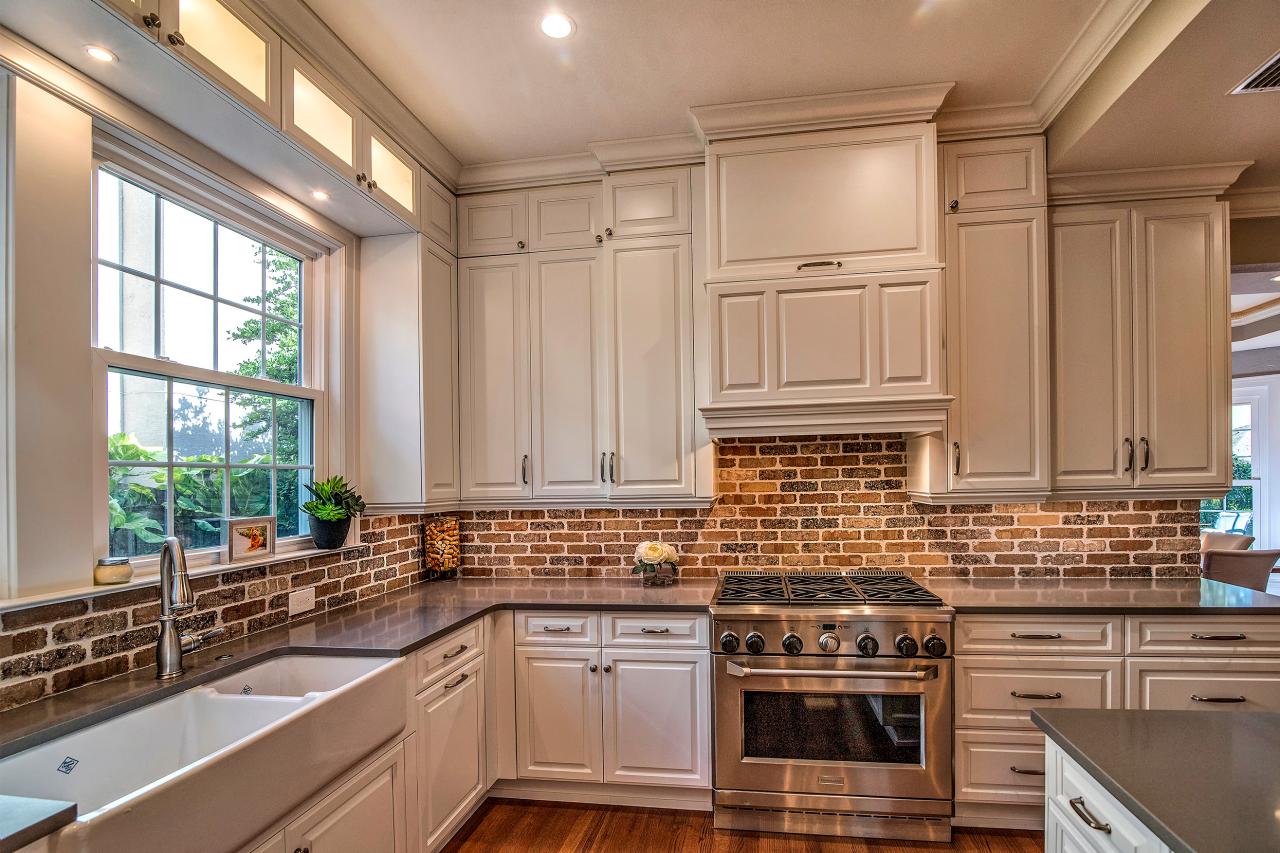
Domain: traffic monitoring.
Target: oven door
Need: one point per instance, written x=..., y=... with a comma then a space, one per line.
x=843, y=726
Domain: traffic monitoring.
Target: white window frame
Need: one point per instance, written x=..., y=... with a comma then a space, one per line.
x=210, y=199
x=1259, y=399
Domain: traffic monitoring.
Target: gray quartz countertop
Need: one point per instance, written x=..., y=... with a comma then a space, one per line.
x=389, y=625
x=1100, y=595
x=1200, y=780
x=27, y=819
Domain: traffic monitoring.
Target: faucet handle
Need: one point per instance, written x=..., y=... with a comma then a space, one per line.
x=191, y=642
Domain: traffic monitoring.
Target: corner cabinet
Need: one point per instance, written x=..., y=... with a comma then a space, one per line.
x=1141, y=353
x=839, y=200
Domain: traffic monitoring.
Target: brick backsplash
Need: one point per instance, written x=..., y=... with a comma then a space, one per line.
x=839, y=502
x=50, y=648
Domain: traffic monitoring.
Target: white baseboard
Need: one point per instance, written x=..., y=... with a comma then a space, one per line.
x=999, y=816
x=606, y=793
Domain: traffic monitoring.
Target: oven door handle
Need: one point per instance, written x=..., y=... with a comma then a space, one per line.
x=921, y=673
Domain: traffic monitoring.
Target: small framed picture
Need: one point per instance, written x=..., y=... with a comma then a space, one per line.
x=249, y=538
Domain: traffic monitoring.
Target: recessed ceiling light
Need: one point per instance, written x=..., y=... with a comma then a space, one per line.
x=99, y=53
x=320, y=195
x=1275, y=278
x=557, y=26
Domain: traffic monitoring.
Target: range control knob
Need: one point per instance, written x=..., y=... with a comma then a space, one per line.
x=829, y=642
x=792, y=644
x=906, y=645
x=935, y=646
x=755, y=643
x=728, y=642
x=868, y=646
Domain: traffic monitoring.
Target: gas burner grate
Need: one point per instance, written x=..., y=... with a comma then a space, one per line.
x=752, y=588
x=892, y=589
x=833, y=588
x=864, y=586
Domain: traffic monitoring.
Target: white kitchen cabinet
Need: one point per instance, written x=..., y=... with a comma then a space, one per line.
x=1140, y=304
x=495, y=442
x=650, y=325
x=319, y=117
x=368, y=813
x=989, y=174
x=231, y=45
x=143, y=14
x=392, y=175
x=558, y=714
x=647, y=203
x=439, y=212
x=408, y=368
x=847, y=200
x=569, y=358
x=565, y=217
x=997, y=284
x=826, y=338
x=656, y=704
x=451, y=751
x=493, y=224
x=1075, y=800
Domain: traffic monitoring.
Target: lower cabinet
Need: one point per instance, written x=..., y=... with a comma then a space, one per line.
x=558, y=714
x=451, y=751
x=1082, y=815
x=368, y=813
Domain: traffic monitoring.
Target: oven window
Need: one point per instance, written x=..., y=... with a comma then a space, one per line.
x=832, y=727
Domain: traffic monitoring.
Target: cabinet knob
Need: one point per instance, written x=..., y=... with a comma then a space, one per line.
x=151, y=20
x=519, y=244
x=361, y=177
x=593, y=668
x=373, y=185
x=954, y=205
x=176, y=39
x=608, y=668
x=599, y=239
x=608, y=232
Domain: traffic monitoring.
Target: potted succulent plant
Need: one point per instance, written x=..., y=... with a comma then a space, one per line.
x=334, y=503
x=656, y=563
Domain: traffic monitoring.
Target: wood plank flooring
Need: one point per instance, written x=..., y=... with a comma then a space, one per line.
x=541, y=827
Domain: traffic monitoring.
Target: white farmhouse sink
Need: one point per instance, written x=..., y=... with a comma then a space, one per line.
x=208, y=769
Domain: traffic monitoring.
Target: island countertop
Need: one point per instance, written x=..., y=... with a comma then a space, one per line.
x=1187, y=596
x=1199, y=780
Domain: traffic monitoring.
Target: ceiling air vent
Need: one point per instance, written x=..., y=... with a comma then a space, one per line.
x=1265, y=79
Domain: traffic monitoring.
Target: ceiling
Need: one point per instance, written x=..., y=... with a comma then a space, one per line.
x=486, y=81
x=1178, y=111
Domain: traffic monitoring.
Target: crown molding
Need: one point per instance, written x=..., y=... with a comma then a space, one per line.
x=1205, y=179
x=646, y=152
x=530, y=172
x=892, y=105
x=1254, y=202
x=988, y=122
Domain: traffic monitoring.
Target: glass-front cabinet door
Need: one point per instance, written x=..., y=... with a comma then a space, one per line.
x=143, y=14
x=322, y=119
x=231, y=45
x=393, y=175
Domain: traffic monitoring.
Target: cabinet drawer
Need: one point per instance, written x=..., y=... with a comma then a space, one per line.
x=685, y=630
x=1171, y=684
x=994, y=173
x=444, y=654
x=1000, y=767
x=1067, y=781
x=1055, y=635
x=986, y=687
x=1203, y=636
x=534, y=628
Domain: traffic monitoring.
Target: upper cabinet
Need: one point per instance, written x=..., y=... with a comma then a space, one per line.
x=988, y=174
x=439, y=212
x=143, y=14
x=390, y=175
x=841, y=200
x=647, y=203
x=319, y=117
x=228, y=43
x=547, y=219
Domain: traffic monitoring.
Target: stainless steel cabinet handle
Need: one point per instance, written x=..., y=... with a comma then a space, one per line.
x=593, y=668
x=922, y=673
x=151, y=20
x=519, y=244
x=1017, y=695
x=655, y=630
x=1220, y=637
x=955, y=458
x=1128, y=454
x=1015, y=635
x=452, y=684
x=1077, y=806
x=176, y=39
x=524, y=469
x=1225, y=700
x=808, y=265
x=556, y=629
x=462, y=648
x=1146, y=452
x=602, y=456
x=612, y=460
x=1023, y=772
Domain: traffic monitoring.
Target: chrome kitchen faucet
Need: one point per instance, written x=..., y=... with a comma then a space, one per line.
x=176, y=598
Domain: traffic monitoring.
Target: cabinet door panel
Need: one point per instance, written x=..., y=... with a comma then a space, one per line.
x=1093, y=348
x=998, y=349
x=647, y=203
x=657, y=717
x=440, y=371
x=564, y=217
x=494, y=377
x=493, y=224
x=741, y=339
x=321, y=118
x=1181, y=360
x=986, y=174
x=569, y=361
x=823, y=340
x=393, y=176
x=367, y=814
x=451, y=750
x=231, y=45
x=439, y=212
x=558, y=714
x=650, y=327
x=910, y=317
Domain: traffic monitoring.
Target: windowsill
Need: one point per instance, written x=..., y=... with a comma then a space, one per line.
x=153, y=579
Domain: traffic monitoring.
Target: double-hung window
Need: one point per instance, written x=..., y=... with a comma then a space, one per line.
x=203, y=329
x=1240, y=510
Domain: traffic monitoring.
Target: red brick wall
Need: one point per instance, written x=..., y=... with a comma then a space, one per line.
x=839, y=502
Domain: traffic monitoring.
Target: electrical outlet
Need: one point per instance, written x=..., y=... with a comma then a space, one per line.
x=302, y=600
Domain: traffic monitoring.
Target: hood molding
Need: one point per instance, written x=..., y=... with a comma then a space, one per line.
x=1198, y=180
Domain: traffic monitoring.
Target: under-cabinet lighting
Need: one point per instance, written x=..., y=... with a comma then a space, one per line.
x=557, y=26
x=99, y=53
x=320, y=195
x=1275, y=278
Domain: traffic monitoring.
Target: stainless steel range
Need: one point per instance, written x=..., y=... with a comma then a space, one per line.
x=833, y=704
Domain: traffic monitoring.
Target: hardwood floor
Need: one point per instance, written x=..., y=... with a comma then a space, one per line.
x=529, y=827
